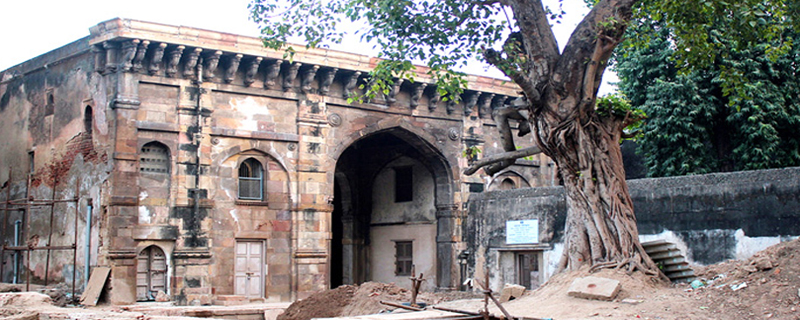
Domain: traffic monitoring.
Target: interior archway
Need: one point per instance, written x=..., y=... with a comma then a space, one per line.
x=372, y=214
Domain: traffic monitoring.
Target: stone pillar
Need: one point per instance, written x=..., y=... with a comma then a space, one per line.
x=312, y=214
x=123, y=201
x=447, y=240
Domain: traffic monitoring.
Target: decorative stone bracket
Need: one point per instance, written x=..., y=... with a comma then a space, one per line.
x=148, y=57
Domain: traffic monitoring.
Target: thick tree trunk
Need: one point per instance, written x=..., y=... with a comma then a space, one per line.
x=601, y=226
x=561, y=88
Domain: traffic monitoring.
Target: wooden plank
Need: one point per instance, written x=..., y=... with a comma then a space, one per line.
x=96, y=283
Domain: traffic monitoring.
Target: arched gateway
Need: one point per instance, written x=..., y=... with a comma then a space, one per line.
x=392, y=210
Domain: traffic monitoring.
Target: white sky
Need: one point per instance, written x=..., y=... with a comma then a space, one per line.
x=29, y=28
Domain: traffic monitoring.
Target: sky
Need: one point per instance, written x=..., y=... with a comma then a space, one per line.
x=31, y=28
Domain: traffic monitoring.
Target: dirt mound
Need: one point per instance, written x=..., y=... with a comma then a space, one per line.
x=23, y=305
x=325, y=304
x=360, y=300
x=765, y=286
x=28, y=299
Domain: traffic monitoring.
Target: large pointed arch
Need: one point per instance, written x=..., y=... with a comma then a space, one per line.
x=398, y=137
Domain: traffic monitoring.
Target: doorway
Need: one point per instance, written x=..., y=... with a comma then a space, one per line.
x=249, y=269
x=151, y=273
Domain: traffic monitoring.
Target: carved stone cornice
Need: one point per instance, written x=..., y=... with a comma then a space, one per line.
x=128, y=53
x=139, y=58
x=99, y=58
x=470, y=100
x=191, y=62
x=327, y=80
x=498, y=102
x=174, y=59
x=485, y=102
x=155, y=61
x=291, y=74
x=416, y=93
x=233, y=65
x=308, y=78
x=351, y=83
x=330, y=65
x=252, y=70
x=112, y=48
x=212, y=61
x=391, y=97
x=433, y=99
x=273, y=71
x=450, y=106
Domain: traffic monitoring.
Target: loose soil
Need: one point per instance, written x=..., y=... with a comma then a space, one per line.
x=772, y=291
x=360, y=300
x=766, y=286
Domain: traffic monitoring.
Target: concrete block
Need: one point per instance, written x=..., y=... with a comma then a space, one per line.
x=594, y=288
x=510, y=292
x=272, y=314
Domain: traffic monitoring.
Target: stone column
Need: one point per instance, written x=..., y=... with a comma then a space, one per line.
x=312, y=214
x=123, y=201
x=447, y=240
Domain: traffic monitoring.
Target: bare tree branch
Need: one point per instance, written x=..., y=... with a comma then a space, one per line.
x=521, y=153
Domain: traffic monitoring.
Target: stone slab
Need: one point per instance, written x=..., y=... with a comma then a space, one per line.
x=594, y=288
x=97, y=281
x=510, y=292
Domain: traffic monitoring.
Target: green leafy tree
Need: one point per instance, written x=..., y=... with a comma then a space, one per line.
x=700, y=119
x=560, y=87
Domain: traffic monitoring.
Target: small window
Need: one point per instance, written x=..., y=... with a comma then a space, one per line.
x=32, y=162
x=87, y=120
x=475, y=187
x=154, y=158
x=508, y=184
x=403, y=184
x=50, y=107
x=403, y=257
x=251, y=180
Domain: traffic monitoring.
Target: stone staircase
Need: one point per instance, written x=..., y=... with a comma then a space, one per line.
x=671, y=260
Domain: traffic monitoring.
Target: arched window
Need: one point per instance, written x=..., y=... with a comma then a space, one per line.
x=508, y=184
x=50, y=106
x=251, y=180
x=87, y=120
x=154, y=158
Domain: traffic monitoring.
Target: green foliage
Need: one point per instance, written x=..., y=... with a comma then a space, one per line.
x=471, y=153
x=443, y=34
x=740, y=112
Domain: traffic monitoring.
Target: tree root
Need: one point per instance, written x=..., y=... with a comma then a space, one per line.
x=632, y=264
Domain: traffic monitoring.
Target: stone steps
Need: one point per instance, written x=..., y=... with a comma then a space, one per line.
x=669, y=257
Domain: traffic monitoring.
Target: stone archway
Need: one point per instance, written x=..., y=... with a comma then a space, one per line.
x=360, y=206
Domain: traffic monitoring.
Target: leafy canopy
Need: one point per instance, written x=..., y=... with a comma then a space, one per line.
x=442, y=34
x=696, y=125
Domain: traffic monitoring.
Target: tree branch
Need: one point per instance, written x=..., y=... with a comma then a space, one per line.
x=589, y=48
x=513, y=155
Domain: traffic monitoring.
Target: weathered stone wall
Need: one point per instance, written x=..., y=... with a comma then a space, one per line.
x=55, y=145
x=176, y=111
x=722, y=215
x=711, y=217
x=484, y=228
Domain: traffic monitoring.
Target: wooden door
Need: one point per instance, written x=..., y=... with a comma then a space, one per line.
x=248, y=269
x=151, y=273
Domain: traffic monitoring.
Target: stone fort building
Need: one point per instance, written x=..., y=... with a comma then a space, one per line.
x=200, y=164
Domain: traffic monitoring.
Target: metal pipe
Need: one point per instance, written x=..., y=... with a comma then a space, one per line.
x=75, y=237
x=5, y=223
x=88, y=244
x=50, y=233
x=17, y=227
